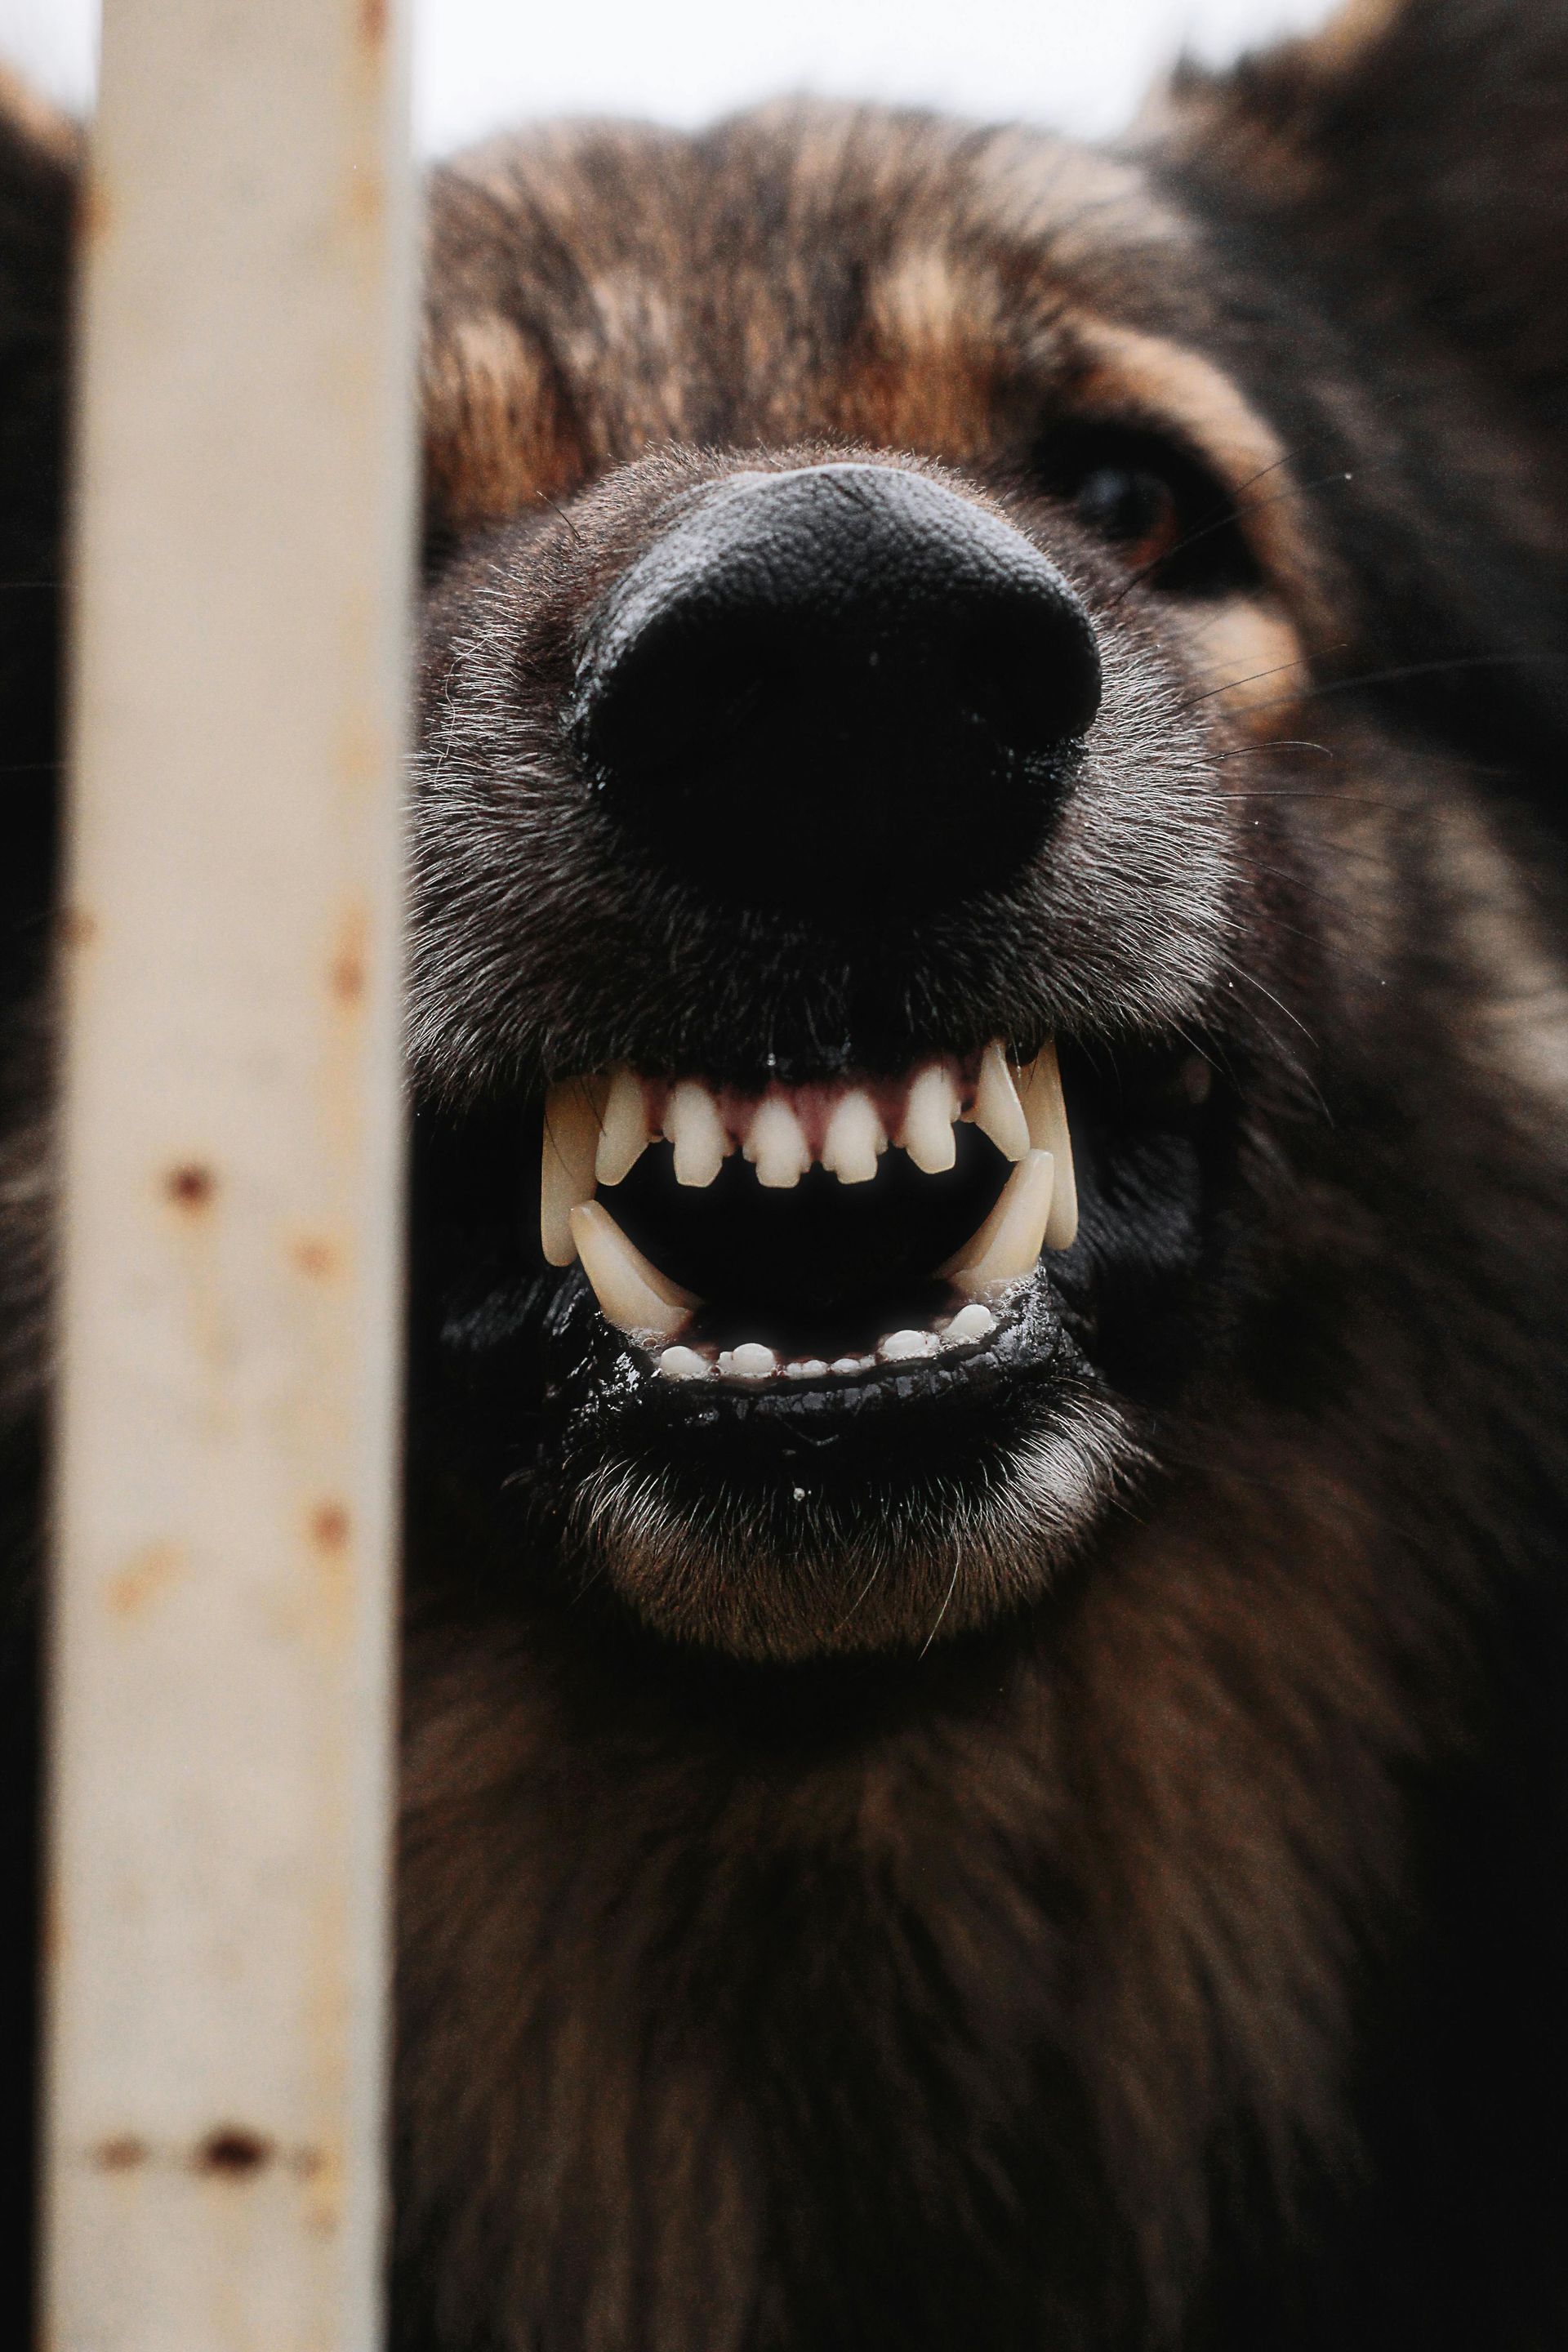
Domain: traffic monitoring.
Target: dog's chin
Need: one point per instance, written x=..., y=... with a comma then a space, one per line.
x=884, y=1511
x=773, y=1569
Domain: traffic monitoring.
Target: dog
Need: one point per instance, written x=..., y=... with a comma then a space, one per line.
x=985, y=1660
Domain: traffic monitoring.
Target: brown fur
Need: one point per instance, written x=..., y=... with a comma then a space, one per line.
x=1115, y=1901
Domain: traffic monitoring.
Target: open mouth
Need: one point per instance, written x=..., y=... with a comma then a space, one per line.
x=771, y=1320
x=810, y=1236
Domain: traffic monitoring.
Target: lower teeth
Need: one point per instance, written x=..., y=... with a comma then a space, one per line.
x=753, y=1362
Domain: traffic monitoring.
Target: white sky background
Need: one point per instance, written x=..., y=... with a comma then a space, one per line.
x=1079, y=65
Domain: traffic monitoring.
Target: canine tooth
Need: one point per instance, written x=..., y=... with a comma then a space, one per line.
x=997, y=1111
x=932, y=1106
x=683, y=1364
x=751, y=1362
x=623, y=1134
x=1009, y=1243
x=566, y=1173
x=777, y=1145
x=970, y=1322
x=693, y=1123
x=899, y=1347
x=854, y=1137
x=1041, y=1086
x=633, y=1292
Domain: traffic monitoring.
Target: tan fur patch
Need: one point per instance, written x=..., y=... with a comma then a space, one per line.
x=43, y=124
x=1250, y=652
x=928, y=381
x=1341, y=46
x=1123, y=373
x=1519, y=1017
x=497, y=435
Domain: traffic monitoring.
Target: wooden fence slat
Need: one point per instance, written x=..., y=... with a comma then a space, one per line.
x=222, y=1687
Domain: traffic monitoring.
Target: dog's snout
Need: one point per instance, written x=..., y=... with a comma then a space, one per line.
x=843, y=688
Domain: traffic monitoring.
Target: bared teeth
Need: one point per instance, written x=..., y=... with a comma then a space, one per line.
x=597, y=1130
x=997, y=1111
x=1041, y=1088
x=776, y=1146
x=693, y=1123
x=566, y=1178
x=629, y=1288
x=625, y=1134
x=927, y=1132
x=907, y=1346
x=854, y=1138
x=1008, y=1244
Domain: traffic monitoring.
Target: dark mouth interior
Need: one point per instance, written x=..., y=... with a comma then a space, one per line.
x=824, y=1269
x=821, y=1256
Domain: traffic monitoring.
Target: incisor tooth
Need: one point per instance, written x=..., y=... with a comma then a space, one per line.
x=1008, y=1244
x=777, y=1145
x=997, y=1111
x=624, y=1136
x=693, y=1123
x=854, y=1137
x=566, y=1175
x=1041, y=1087
x=927, y=1134
x=633, y=1292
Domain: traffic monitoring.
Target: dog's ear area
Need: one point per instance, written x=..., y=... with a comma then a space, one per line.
x=40, y=171
x=1416, y=153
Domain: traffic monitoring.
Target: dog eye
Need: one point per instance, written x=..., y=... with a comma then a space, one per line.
x=1161, y=511
x=1135, y=509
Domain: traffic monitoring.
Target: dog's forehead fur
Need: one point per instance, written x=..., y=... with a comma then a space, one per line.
x=806, y=271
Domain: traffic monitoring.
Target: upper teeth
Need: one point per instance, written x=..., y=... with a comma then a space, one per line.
x=597, y=1130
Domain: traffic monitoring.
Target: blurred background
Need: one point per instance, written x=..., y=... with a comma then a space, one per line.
x=1081, y=65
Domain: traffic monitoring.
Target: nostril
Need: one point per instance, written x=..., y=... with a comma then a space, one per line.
x=838, y=689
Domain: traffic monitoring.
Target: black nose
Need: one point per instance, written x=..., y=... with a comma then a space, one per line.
x=838, y=689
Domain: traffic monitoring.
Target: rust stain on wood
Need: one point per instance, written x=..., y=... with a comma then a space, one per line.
x=347, y=970
x=232, y=2153
x=316, y=1256
x=329, y=1526
x=146, y=1575
x=95, y=212
x=191, y=1186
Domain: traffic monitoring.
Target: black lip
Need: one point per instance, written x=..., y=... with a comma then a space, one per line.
x=1027, y=1333
x=603, y=1396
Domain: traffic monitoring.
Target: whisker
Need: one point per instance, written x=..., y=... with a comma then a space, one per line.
x=942, y=1612
x=1234, y=510
x=1235, y=685
x=1390, y=677
x=1253, y=982
x=1276, y=743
